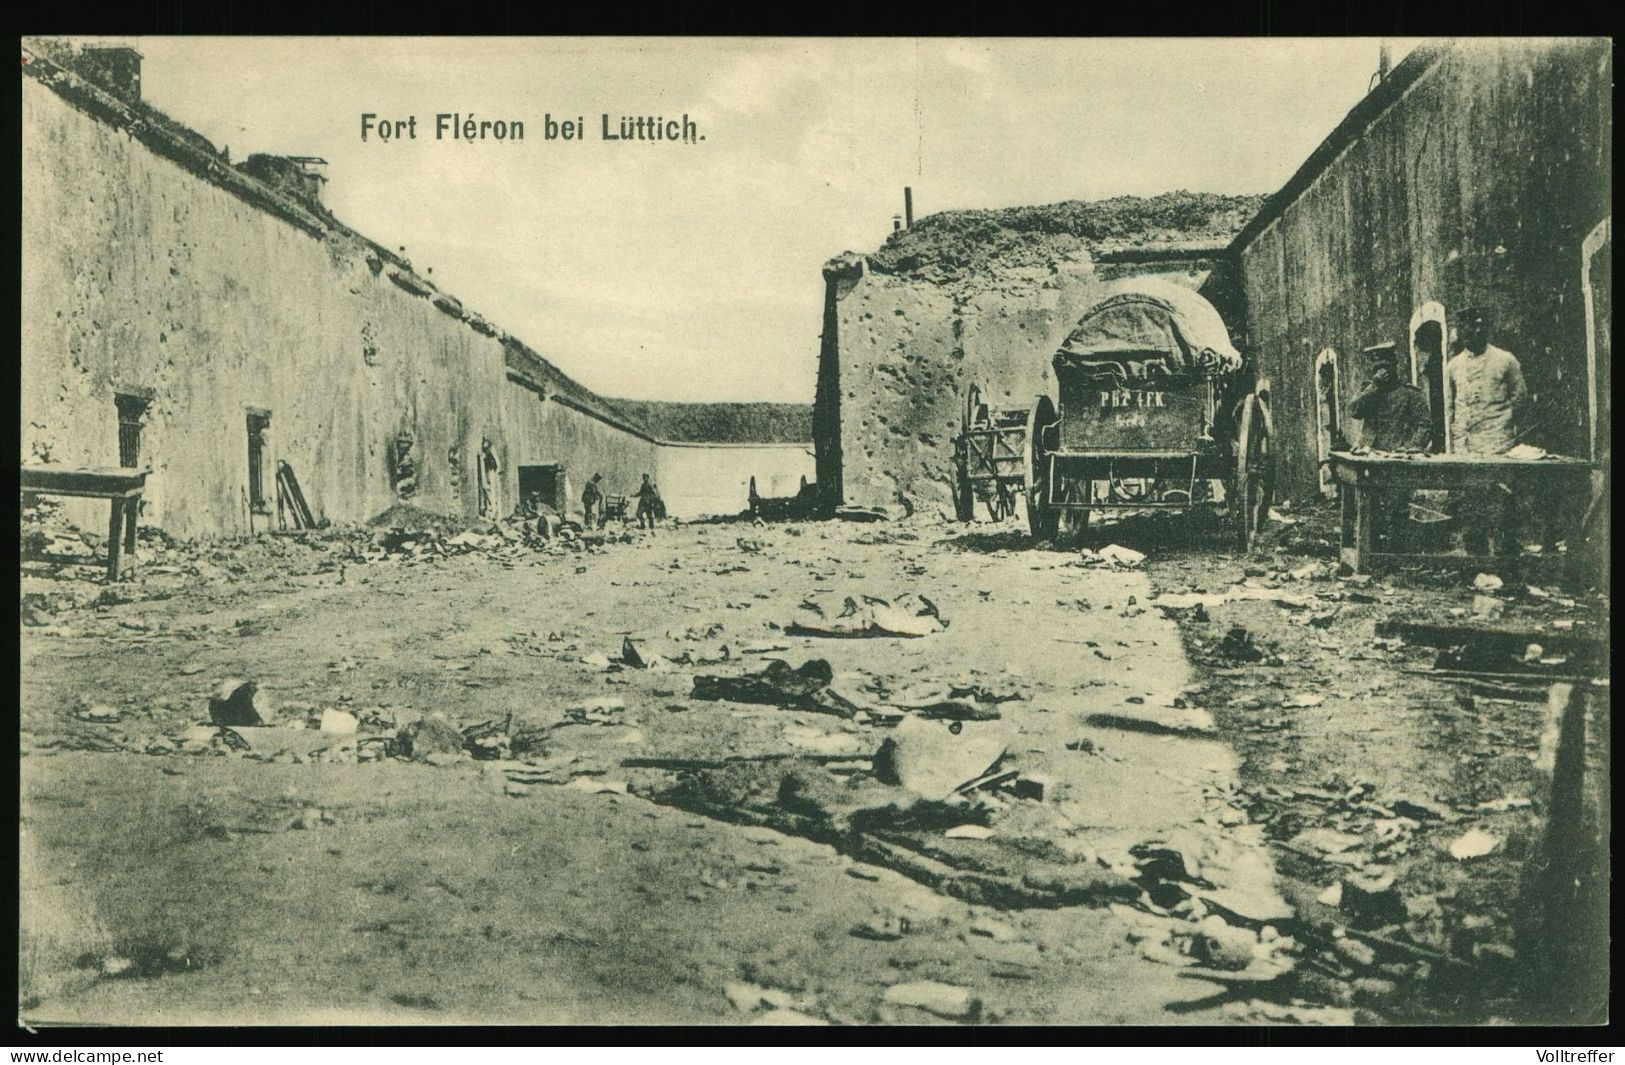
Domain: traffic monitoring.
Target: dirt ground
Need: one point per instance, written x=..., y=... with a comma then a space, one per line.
x=469, y=799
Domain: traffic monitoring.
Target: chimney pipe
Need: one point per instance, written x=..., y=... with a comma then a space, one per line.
x=908, y=207
x=1385, y=60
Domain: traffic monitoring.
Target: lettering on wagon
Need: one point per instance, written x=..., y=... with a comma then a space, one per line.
x=1131, y=397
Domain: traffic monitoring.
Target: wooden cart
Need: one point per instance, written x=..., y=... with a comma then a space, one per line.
x=988, y=458
x=1155, y=411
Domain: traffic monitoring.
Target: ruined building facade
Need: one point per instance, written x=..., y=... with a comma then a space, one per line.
x=985, y=301
x=1473, y=174
x=213, y=322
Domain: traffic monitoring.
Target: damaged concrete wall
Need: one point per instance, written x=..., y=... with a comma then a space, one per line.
x=544, y=431
x=1474, y=175
x=138, y=274
x=699, y=480
x=899, y=353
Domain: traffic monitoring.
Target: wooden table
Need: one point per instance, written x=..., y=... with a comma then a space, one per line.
x=121, y=487
x=1361, y=479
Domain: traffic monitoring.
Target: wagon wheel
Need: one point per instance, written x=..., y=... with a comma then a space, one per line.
x=1041, y=518
x=1255, y=471
x=973, y=400
x=964, y=491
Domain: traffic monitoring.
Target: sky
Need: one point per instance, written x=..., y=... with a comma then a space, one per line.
x=653, y=270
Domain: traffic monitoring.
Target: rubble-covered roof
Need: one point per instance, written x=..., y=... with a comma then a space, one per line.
x=722, y=423
x=953, y=244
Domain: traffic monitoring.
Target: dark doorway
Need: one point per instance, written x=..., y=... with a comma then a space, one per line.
x=541, y=485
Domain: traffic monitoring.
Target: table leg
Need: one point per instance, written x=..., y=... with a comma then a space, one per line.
x=1364, y=508
x=132, y=514
x=115, y=537
x=1347, y=553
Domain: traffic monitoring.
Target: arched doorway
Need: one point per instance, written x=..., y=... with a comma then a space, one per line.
x=1427, y=336
x=1326, y=416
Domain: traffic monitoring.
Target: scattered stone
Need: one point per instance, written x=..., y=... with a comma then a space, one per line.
x=1486, y=606
x=1372, y=899
x=882, y=925
x=747, y=998
x=1224, y=946
x=239, y=702
x=597, y=786
x=934, y=759
x=1487, y=582
x=788, y=1017
x=339, y=721
x=1123, y=557
x=1355, y=952
x=311, y=817
x=1238, y=646
x=429, y=736
x=969, y=832
x=1418, y=810
x=996, y=930
x=1474, y=843
x=944, y=1000
x=909, y=615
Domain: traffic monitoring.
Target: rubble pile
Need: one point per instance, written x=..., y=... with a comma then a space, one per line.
x=1404, y=875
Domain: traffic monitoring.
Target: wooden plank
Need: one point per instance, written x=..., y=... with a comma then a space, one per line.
x=1432, y=634
x=1473, y=674
x=96, y=482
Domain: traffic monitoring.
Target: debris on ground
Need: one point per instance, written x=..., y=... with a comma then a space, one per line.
x=429, y=737
x=908, y=615
x=1474, y=843
x=944, y=1000
x=239, y=702
x=934, y=760
x=806, y=687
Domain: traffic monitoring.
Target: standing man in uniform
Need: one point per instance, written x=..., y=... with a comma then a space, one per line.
x=1486, y=400
x=592, y=499
x=1487, y=393
x=1393, y=412
x=1394, y=416
x=648, y=503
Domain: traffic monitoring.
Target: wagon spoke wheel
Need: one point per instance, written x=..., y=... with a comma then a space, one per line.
x=1255, y=472
x=1041, y=516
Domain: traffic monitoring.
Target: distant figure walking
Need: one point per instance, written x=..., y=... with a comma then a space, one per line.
x=649, y=504
x=592, y=499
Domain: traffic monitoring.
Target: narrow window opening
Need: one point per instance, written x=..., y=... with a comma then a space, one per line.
x=1327, y=436
x=1427, y=368
x=259, y=446
x=132, y=411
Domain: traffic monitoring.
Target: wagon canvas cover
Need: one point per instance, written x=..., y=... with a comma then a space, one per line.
x=1148, y=329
